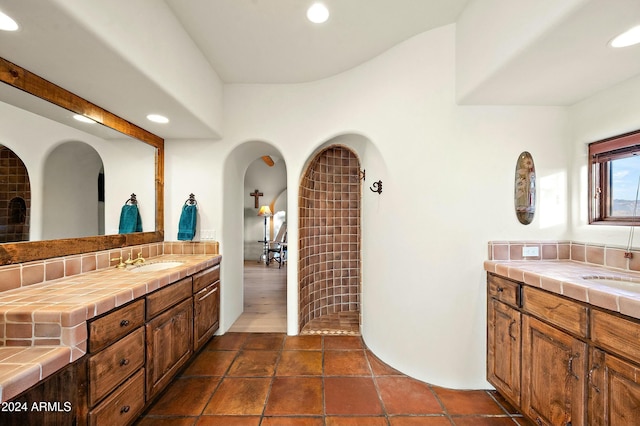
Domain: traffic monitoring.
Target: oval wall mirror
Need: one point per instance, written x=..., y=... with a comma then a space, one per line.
x=525, y=188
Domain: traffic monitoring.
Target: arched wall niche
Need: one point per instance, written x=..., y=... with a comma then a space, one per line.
x=329, y=235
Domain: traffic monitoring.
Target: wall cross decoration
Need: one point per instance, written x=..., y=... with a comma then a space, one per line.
x=257, y=194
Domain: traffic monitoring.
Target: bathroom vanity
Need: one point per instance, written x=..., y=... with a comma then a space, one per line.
x=563, y=344
x=133, y=349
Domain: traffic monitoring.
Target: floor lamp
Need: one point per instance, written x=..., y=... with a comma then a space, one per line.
x=266, y=212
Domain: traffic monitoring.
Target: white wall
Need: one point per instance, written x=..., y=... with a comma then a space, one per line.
x=609, y=113
x=485, y=44
x=129, y=166
x=447, y=175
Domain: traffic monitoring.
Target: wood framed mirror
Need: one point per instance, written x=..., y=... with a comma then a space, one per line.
x=10, y=253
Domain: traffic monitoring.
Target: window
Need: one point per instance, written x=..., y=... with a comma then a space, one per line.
x=614, y=180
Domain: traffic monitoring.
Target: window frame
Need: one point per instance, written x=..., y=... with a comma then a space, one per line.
x=601, y=153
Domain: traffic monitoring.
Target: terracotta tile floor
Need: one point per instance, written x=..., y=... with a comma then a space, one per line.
x=271, y=379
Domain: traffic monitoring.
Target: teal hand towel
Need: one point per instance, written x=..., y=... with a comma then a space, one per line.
x=130, y=220
x=187, y=224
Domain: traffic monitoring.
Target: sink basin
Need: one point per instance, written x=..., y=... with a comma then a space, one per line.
x=622, y=283
x=155, y=266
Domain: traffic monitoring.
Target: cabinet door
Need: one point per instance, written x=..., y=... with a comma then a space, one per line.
x=206, y=307
x=553, y=375
x=503, y=349
x=169, y=345
x=614, y=391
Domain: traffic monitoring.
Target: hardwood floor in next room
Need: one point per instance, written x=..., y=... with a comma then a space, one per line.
x=265, y=299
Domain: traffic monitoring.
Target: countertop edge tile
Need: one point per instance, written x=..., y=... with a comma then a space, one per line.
x=566, y=277
x=532, y=278
x=21, y=379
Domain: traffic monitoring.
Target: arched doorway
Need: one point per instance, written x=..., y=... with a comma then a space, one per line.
x=15, y=197
x=245, y=171
x=329, y=267
x=73, y=175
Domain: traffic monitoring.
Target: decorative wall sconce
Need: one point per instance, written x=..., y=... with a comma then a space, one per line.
x=377, y=187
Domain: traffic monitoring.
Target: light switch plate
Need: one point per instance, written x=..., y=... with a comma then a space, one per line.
x=530, y=251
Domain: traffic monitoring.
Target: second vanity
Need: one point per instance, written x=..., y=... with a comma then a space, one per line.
x=563, y=341
x=122, y=336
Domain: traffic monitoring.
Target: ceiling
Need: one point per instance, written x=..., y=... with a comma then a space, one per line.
x=270, y=41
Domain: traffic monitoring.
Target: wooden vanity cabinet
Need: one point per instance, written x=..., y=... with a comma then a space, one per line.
x=64, y=391
x=614, y=390
x=206, y=305
x=504, y=337
x=580, y=364
x=133, y=352
x=553, y=375
x=554, y=358
x=116, y=356
x=169, y=334
x=614, y=382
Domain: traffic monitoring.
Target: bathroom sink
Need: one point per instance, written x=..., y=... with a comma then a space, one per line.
x=155, y=266
x=622, y=283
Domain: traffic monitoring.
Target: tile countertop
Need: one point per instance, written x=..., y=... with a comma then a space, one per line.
x=567, y=278
x=43, y=326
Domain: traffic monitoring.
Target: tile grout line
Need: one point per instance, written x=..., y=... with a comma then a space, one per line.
x=375, y=384
x=511, y=415
x=222, y=377
x=444, y=409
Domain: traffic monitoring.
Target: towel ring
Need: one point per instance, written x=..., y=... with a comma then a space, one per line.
x=191, y=200
x=132, y=201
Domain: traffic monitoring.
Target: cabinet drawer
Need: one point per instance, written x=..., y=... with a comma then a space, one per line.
x=616, y=334
x=110, y=367
x=206, y=277
x=168, y=296
x=206, y=313
x=123, y=406
x=566, y=314
x=504, y=290
x=111, y=327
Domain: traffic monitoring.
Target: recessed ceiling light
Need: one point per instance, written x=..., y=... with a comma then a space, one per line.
x=84, y=119
x=7, y=23
x=627, y=38
x=318, y=13
x=156, y=118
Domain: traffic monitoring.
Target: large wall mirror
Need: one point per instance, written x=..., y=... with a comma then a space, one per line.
x=63, y=182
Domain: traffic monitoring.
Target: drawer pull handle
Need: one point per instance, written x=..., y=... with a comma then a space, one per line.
x=124, y=362
x=570, y=366
x=593, y=385
x=124, y=323
x=500, y=289
x=513, y=322
x=125, y=409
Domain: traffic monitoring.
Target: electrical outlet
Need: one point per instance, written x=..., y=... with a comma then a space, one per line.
x=207, y=234
x=530, y=251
